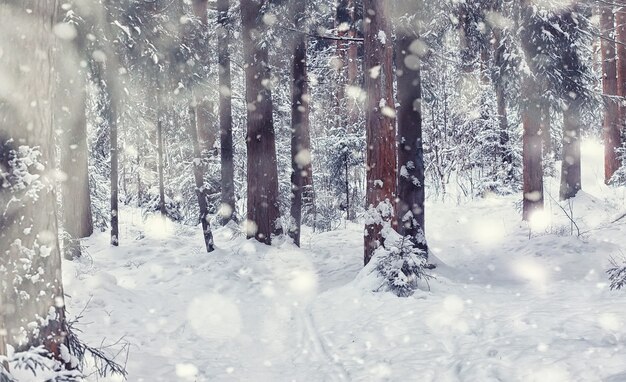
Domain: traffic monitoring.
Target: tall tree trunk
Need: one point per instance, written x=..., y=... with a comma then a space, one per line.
x=570, y=165
x=352, y=68
x=379, y=122
x=198, y=174
x=410, y=208
x=498, y=83
x=620, y=38
x=263, y=212
x=531, y=109
x=531, y=158
x=159, y=137
x=30, y=277
x=545, y=130
x=77, y=220
x=300, y=140
x=611, y=128
x=227, y=209
x=108, y=88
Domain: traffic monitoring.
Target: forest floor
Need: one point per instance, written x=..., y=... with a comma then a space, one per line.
x=508, y=303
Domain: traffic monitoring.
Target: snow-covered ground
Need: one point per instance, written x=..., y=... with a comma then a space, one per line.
x=508, y=303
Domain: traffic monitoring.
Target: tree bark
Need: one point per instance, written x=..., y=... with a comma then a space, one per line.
x=611, y=126
x=227, y=209
x=379, y=121
x=159, y=137
x=620, y=37
x=300, y=140
x=410, y=207
x=570, y=165
x=263, y=212
x=501, y=100
x=532, y=160
x=30, y=276
x=531, y=108
x=198, y=174
x=76, y=213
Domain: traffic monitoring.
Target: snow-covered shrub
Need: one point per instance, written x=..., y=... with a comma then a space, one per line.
x=402, y=265
x=150, y=205
x=617, y=274
x=35, y=364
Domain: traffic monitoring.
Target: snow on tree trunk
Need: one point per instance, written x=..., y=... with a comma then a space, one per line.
x=301, y=168
x=380, y=122
x=611, y=127
x=227, y=210
x=263, y=212
x=410, y=207
x=30, y=264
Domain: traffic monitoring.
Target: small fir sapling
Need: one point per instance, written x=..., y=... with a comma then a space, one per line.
x=617, y=274
x=400, y=261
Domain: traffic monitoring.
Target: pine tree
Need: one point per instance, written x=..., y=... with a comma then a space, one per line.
x=262, y=178
x=380, y=123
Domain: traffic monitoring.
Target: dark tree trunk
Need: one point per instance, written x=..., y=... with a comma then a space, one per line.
x=379, y=120
x=108, y=88
x=570, y=167
x=263, y=212
x=410, y=207
x=77, y=220
x=227, y=210
x=498, y=83
x=300, y=140
x=206, y=132
x=532, y=106
x=532, y=159
x=30, y=265
x=159, y=137
x=198, y=174
x=545, y=128
x=611, y=129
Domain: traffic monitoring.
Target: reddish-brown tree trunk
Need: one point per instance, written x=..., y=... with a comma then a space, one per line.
x=263, y=212
x=611, y=127
x=620, y=37
x=227, y=210
x=379, y=120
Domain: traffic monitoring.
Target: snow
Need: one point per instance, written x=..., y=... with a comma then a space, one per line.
x=508, y=303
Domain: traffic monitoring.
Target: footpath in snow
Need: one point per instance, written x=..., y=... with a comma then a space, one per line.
x=507, y=304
